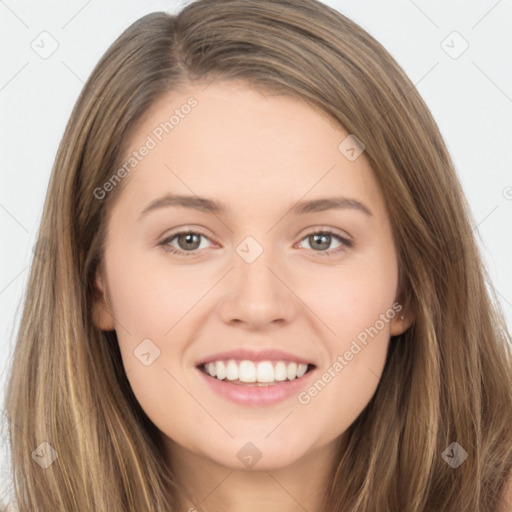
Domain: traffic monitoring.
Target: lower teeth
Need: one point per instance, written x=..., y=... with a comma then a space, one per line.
x=240, y=383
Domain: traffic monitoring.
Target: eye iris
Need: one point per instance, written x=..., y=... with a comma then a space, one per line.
x=318, y=236
x=191, y=241
x=187, y=238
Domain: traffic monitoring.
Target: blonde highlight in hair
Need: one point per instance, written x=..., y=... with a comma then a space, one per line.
x=447, y=378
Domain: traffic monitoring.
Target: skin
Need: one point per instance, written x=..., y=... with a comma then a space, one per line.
x=259, y=154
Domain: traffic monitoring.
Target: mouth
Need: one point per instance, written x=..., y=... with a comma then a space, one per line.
x=250, y=377
x=264, y=373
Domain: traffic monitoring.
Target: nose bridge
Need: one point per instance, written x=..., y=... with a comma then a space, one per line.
x=252, y=268
x=258, y=295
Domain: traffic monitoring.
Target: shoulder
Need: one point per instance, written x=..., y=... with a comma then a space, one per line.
x=505, y=503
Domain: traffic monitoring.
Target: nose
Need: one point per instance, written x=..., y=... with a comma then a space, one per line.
x=256, y=294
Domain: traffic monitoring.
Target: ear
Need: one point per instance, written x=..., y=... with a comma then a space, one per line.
x=102, y=317
x=402, y=321
x=404, y=316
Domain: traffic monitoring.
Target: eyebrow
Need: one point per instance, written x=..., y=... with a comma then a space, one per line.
x=208, y=205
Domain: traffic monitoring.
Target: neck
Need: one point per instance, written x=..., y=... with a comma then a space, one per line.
x=208, y=486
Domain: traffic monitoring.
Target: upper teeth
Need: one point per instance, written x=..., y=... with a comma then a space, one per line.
x=248, y=371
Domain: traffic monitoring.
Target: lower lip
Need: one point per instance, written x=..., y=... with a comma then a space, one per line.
x=257, y=395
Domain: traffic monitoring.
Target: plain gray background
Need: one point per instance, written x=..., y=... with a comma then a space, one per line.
x=469, y=93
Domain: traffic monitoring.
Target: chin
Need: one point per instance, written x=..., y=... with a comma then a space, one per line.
x=258, y=453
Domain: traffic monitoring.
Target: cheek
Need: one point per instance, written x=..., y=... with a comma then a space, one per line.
x=149, y=300
x=356, y=303
x=150, y=297
x=348, y=299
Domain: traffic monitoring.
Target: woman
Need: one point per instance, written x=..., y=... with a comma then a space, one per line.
x=257, y=369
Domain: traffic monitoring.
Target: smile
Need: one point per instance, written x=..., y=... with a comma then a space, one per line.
x=256, y=383
x=248, y=372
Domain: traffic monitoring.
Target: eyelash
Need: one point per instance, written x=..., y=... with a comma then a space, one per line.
x=344, y=241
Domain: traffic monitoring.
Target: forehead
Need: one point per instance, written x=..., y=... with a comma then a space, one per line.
x=232, y=142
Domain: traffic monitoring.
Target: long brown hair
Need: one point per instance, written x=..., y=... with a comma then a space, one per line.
x=447, y=379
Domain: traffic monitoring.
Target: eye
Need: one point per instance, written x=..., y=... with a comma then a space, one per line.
x=186, y=239
x=320, y=239
x=190, y=241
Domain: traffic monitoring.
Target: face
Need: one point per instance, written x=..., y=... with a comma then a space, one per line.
x=273, y=282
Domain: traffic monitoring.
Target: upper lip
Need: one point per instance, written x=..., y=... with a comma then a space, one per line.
x=254, y=355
